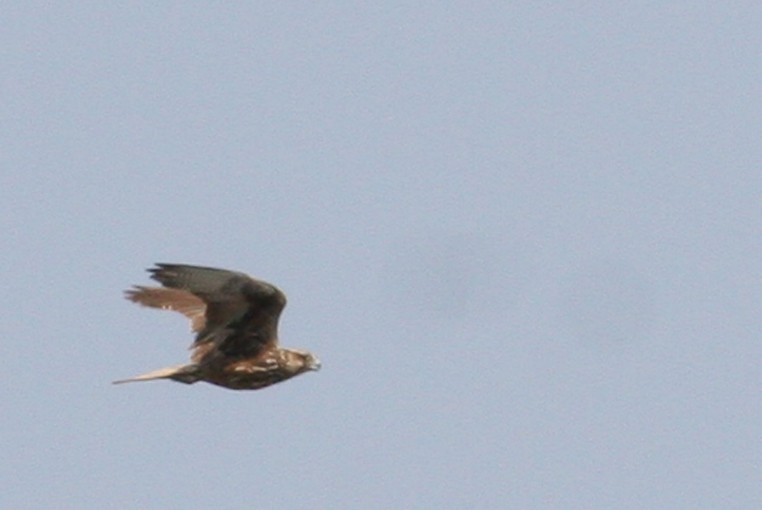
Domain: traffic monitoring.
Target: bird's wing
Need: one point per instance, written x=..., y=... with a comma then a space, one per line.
x=241, y=317
x=171, y=299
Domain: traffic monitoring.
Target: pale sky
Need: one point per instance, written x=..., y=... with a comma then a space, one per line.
x=523, y=238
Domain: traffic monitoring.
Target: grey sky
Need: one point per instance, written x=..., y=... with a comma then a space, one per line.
x=524, y=239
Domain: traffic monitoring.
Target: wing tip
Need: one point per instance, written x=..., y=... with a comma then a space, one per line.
x=132, y=294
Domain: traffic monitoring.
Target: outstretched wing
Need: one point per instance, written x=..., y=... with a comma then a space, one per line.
x=171, y=299
x=241, y=314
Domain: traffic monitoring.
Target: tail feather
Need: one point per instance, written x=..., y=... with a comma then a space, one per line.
x=187, y=374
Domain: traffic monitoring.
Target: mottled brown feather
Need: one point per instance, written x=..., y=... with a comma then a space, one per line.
x=241, y=313
x=235, y=318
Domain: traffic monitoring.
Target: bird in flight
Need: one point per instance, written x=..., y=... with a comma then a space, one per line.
x=235, y=318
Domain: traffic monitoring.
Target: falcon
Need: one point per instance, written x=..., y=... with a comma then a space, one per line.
x=235, y=318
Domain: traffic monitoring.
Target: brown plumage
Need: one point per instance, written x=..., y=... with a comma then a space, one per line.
x=235, y=318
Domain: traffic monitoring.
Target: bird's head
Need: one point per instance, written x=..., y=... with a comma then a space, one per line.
x=312, y=362
x=303, y=361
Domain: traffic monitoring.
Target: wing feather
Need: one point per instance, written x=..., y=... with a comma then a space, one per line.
x=240, y=313
x=171, y=299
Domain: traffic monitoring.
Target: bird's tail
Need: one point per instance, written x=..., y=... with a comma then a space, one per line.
x=187, y=374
